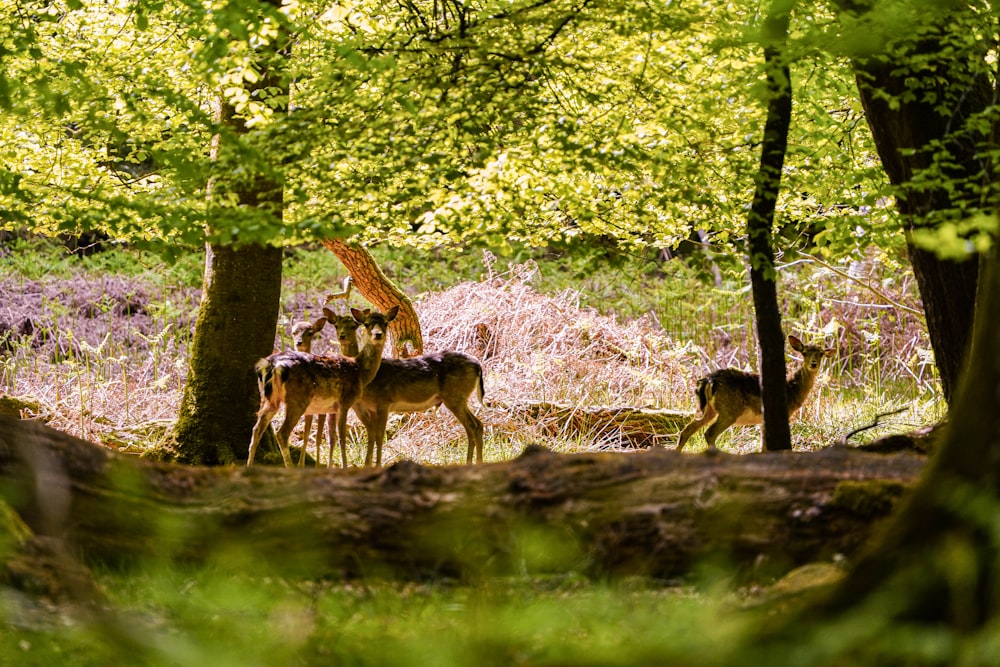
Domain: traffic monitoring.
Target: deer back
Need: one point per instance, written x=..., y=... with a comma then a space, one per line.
x=316, y=382
x=734, y=392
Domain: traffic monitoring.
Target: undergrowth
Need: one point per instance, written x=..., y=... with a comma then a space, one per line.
x=101, y=342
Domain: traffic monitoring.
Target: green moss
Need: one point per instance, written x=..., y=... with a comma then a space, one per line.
x=13, y=531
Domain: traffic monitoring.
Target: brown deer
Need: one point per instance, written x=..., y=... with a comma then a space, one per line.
x=730, y=396
x=309, y=384
x=347, y=332
x=303, y=335
x=347, y=337
x=417, y=384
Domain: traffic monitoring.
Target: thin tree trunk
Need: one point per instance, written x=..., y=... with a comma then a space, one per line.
x=776, y=433
x=376, y=287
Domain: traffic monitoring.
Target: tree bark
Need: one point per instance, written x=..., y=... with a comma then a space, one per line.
x=235, y=328
x=239, y=309
x=656, y=512
x=376, y=287
x=776, y=432
x=917, y=113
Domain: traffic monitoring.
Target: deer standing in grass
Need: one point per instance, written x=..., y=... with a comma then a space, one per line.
x=730, y=397
x=417, y=384
x=309, y=384
x=303, y=334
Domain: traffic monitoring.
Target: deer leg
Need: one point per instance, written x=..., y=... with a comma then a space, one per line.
x=375, y=425
x=708, y=415
x=331, y=432
x=320, y=421
x=717, y=428
x=342, y=434
x=292, y=417
x=473, y=430
x=264, y=417
x=305, y=439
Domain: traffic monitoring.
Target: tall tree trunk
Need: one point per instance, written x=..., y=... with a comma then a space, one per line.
x=375, y=286
x=770, y=339
x=915, y=110
x=235, y=328
x=240, y=299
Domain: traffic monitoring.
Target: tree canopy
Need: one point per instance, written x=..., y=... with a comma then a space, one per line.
x=427, y=122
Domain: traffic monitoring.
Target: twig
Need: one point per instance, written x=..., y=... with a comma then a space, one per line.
x=343, y=293
x=875, y=422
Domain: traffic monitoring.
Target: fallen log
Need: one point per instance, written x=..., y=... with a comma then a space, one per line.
x=613, y=425
x=655, y=512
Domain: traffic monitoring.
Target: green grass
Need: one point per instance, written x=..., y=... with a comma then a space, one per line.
x=218, y=618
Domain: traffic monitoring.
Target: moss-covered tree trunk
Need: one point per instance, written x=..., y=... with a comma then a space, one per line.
x=776, y=433
x=235, y=328
x=656, y=512
x=240, y=293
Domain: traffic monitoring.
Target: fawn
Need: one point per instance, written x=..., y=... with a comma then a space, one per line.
x=729, y=396
x=309, y=384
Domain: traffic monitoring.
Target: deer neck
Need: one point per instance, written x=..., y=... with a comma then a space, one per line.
x=369, y=359
x=799, y=385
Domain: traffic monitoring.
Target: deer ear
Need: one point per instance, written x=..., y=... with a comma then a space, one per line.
x=795, y=343
x=391, y=315
x=329, y=314
x=358, y=315
x=319, y=324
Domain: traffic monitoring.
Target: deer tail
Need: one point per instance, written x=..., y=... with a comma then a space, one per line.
x=480, y=391
x=270, y=378
x=704, y=392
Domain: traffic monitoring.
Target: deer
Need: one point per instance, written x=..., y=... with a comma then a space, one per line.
x=419, y=383
x=316, y=385
x=730, y=397
x=347, y=328
x=303, y=334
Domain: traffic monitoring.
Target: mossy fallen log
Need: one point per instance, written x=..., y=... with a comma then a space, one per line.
x=655, y=512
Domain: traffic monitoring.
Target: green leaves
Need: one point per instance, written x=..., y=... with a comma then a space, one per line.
x=423, y=122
